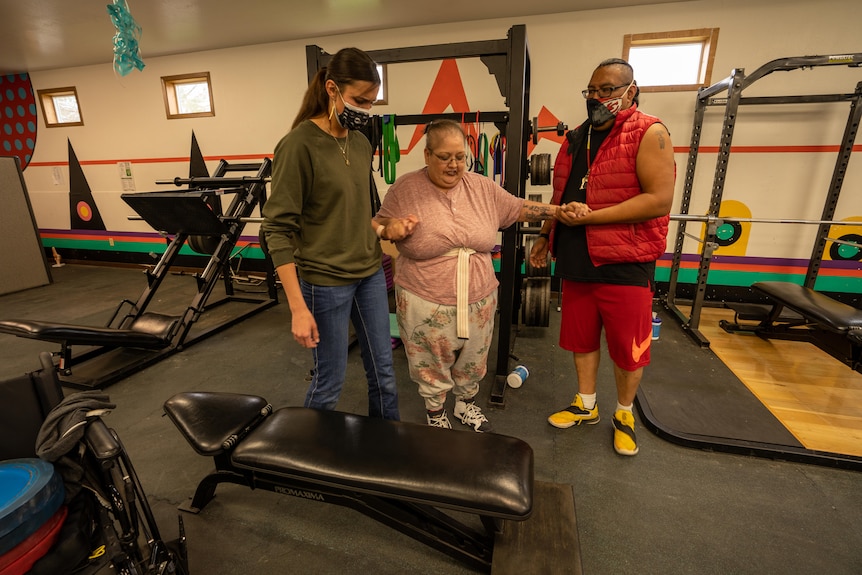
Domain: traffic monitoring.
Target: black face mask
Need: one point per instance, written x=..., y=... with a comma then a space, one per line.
x=598, y=113
x=352, y=117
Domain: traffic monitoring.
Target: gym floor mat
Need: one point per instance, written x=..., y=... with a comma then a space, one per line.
x=690, y=397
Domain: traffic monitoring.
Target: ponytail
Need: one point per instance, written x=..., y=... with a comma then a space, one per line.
x=347, y=66
x=316, y=100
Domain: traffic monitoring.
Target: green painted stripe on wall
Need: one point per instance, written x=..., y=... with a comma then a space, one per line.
x=251, y=252
x=836, y=284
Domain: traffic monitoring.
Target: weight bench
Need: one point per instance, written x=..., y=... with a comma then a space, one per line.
x=834, y=327
x=398, y=473
x=147, y=331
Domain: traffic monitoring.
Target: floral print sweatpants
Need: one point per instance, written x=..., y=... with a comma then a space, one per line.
x=440, y=361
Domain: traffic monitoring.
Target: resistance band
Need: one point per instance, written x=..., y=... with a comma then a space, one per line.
x=391, y=148
x=471, y=141
x=482, y=154
x=498, y=152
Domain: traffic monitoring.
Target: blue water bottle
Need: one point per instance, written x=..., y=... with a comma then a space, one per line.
x=656, y=326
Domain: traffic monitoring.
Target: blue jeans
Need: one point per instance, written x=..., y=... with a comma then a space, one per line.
x=366, y=304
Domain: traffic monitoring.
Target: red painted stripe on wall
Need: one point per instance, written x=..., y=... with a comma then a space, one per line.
x=155, y=160
x=677, y=150
x=768, y=149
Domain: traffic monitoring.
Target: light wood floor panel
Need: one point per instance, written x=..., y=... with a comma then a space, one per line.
x=815, y=396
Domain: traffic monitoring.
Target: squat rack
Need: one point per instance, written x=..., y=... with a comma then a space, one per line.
x=734, y=86
x=508, y=60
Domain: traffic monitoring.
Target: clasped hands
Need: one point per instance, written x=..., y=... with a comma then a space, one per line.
x=571, y=213
x=399, y=228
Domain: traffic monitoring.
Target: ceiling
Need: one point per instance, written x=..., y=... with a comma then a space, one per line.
x=49, y=34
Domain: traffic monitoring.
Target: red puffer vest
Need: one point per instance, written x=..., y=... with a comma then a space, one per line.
x=613, y=179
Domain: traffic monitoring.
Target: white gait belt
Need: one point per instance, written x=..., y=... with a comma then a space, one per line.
x=462, y=290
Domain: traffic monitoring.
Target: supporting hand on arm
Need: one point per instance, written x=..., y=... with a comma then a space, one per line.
x=394, y=229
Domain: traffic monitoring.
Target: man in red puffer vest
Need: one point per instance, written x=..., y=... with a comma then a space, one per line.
x=614, y=177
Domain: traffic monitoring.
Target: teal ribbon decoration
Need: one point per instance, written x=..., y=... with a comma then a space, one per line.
x=127, y=54
x=391, y=148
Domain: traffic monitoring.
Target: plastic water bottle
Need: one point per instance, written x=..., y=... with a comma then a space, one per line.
x=656, y=326
x=517, y=377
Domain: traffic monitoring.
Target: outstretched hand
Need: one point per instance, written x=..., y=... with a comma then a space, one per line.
x=539, y=253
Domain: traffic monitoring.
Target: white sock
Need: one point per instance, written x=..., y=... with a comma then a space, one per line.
x=624, y=407
x=588, y=399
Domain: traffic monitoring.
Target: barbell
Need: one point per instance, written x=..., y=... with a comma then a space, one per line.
x=560, y=129
x=721, y=219
x=539, y=165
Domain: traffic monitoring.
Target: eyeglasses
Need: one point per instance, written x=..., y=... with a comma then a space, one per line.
x=448, y=158
x=603, y=92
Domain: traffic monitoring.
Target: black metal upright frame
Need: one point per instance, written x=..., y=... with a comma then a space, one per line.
x=508, y=60
x=734, y=85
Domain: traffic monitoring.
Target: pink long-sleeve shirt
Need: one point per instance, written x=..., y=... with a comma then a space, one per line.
x=469, y=215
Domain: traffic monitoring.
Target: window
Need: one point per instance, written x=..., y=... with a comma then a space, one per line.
x=382, y=95
x=60, y=107
x=672, y=61
x=188, y=96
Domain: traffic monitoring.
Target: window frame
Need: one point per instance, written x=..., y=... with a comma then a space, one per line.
x=707, y=37
x=49, y=112
x=169, y=91
x=384, y=90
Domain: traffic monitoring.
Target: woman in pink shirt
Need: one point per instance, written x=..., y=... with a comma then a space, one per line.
x=444, y=221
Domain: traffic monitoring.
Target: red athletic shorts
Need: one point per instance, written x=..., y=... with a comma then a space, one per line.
x=624, y=311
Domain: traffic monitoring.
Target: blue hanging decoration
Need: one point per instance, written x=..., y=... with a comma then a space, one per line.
x=127, y=54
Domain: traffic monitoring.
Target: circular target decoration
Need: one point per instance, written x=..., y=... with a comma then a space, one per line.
x=85, y=212
x=728, y=233
x=17, y=117
x=843, y=252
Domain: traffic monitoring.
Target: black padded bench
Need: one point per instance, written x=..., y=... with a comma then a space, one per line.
x=831, y=325
x=148, y=331
x=401, y=474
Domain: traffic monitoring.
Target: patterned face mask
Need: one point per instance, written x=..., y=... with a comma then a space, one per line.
x=602, y=111
x=352, y=117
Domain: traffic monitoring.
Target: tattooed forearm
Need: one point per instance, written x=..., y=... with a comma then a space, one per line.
x=535, y=212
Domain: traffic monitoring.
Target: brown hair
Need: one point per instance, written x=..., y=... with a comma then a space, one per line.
x=347, y=66
x=438, y=129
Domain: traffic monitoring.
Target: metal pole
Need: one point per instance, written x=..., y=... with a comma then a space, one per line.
x=685, y=202
x=518, y=100
x=838, y=173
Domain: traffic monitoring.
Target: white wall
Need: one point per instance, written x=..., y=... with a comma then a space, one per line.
x=257, y=91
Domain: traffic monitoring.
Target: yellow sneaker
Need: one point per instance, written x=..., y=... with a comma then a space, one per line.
x=624, y=433
x=575, y=414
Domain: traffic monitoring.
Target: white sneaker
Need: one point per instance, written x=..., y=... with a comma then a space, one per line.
x=470, y=414
x=439, y=420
